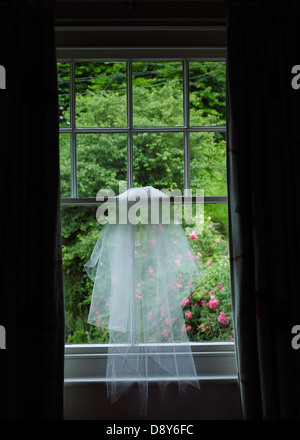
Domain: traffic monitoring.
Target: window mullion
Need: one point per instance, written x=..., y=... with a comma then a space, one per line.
x=130, y=125
x=186, y=120
x=74, y=193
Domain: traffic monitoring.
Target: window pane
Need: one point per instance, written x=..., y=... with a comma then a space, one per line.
x=101, y=94
x=80, y=232
x=158, y=160
x=157, y=90
x=101, y=162
x=65, y=165
x=63, y=74
x=208, y=163
x=208, y=312
x=208, y=307
x=207, y=93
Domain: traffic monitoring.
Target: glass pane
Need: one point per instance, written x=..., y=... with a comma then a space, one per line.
x=80, y=232
x=207, y=97
x=101, y=94
x=158, y=160
x=208, y=163
x=208, y=311
x=101, y=162
x=157, y=90
x=63, y=78
x=65, y=165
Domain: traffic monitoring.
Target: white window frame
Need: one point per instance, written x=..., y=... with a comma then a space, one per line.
x=86, y=363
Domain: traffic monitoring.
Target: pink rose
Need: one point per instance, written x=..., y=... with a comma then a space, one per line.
x=193, y=235
x=163, y=311
x=222, y=318
x=188, y=315
x=165, y=333
x=190, y=256
x=217, y=240
x=213, y=303
x=188, y=327
x=150, y=271
x=184, y=302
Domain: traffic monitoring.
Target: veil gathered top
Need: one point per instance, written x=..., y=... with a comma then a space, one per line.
x=142, y=272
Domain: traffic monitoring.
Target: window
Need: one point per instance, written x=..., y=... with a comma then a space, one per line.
x=145, y=119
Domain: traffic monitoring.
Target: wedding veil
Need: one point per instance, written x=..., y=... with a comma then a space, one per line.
x=142, y=270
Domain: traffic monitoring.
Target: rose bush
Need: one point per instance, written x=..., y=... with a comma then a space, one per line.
x=207, y=310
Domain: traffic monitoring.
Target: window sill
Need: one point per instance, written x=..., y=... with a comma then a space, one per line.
x=86, y=363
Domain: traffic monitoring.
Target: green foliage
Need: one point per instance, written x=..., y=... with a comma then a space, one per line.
x=208, y=163
x=207, y=93
x=158, y=161
x=212, y=294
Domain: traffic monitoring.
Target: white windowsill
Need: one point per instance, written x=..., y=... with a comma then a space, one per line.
x=86, y=363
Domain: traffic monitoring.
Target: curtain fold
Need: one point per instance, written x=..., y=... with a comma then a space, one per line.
x=263, y=156
x=31, y=299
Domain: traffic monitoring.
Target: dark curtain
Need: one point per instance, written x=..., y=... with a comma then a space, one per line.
x=264, y=212
x=31, y=298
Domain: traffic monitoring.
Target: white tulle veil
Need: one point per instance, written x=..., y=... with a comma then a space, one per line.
x=141, y=272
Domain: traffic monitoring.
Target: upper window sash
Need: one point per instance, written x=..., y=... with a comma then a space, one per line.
x=75, y=55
